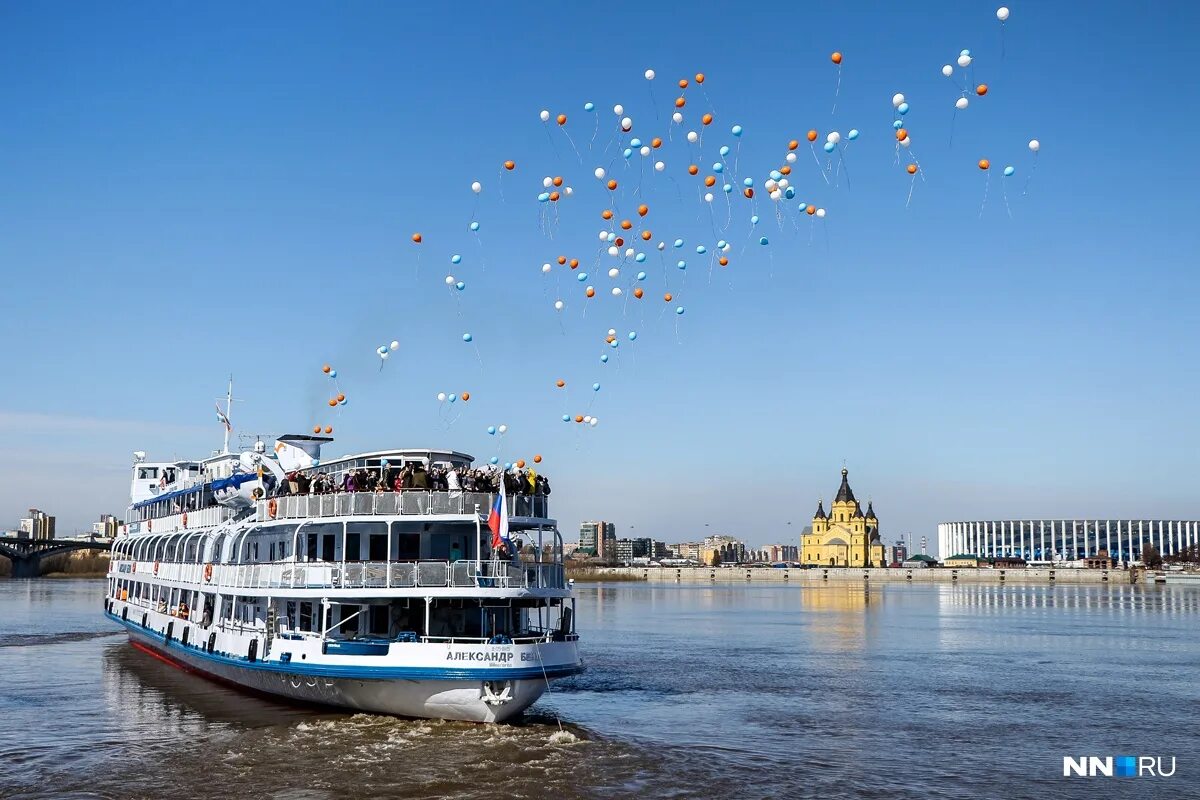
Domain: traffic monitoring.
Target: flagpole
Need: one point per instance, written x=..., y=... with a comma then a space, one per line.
x=228, y=411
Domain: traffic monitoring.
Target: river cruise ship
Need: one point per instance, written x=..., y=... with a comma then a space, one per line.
x=247, y=567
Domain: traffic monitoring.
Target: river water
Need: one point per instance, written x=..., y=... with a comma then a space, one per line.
x=741, y=691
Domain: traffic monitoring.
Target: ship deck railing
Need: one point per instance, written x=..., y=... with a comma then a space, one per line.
x=529, y=636
x=407, y=502
x=460, y=574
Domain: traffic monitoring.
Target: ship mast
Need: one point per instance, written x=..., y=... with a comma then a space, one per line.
x=228, y=409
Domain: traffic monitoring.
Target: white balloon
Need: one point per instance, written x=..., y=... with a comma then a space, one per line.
x=594, y=422
x=791, y=158
x=821, y=213
x=964, y=61
x=677, y=118
x=1002, y=13
x=613, y=251
x=476, y=187
x=384, y=355
x=708, y=198
x=897, y=99
x=614, y=272
x=395, y=345
x=961, y=103
x=599, y=173
x=558, y=305
x=547, y=182
x=649, y=74
x=947, y=70
x=587, y=417
x=770, y=185
x=545, y=115
x=441, y=396
x=775, y=195
x=545, y=267
x=662, y=245
x=626, y=123
x=659, y=166
x=616, y=290
x=604, y=236
x=906, y=141
x=834, y=137
x=783, y=183
x=1034, y=145
x=449, y=280
x=645, y=151
x=503, y=429
x=693, y=137
x=568, y=191
x=630, y=252
x=612, y=331
x=618, y=109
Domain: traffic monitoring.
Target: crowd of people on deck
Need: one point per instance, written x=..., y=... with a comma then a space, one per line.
x=415, y=477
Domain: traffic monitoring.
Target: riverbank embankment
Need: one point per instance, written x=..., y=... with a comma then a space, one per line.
x=859, y=575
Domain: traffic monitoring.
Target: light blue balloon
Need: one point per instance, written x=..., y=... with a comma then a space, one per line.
x=491, y=430
x=628, y=152
x=614, y=343
x=460, y=286
x=679, y=242
x=803, y=206
x=595, y=387
x=582, y=277
x=763, y=240
x=456, y=259
x=635, y=142
x=346, y=402
x=724, y=150
x=641, y=276
x=754, y=220
x=789, y=192
x=721, y=245
x=632, y=335
x=544, y=197
x=748, y=182
x=853, y=134
x=333, y=373
x=701, y=249
x=494, y=460
x=604, y=358
x=589, y=106
x=679, y=310
x=727, y=188
x=612, y=237
x=474, y=226
x=507, y=465
x=467, y=337
x=736, y=130
x=830, y=147
x=897, y=124
x=902, y=108
x=385, y=462
x=316, y=462
x=682, y=264
x=453, y=397
x=965, y=53
x=640, y=257
x=776, y=175
x=381, y=349
x=566, y=418
x=1009, y=171
x=718, y=167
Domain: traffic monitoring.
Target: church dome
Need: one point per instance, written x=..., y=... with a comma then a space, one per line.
x=820, y=511
x=844, y=494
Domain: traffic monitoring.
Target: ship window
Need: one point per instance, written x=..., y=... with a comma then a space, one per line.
x=306, y=617
x=147, y=473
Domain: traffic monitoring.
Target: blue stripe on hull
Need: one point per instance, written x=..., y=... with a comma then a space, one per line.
x=361, y=673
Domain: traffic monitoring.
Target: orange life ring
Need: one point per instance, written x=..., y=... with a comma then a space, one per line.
x=133, y=566
x=149, y=524
x=208, y=572
x=272, y=507
x=155, y=567
x=185, y=519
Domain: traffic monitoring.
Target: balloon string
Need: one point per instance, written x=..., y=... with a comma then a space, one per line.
x=953, y=117
x=595, y=130
x=817, y=159
x=550, y=138
x=1004, y=194
x=653, y=102
x=911, y=185
x=986, y=184
x=575, y=149
x=837, y=91
x=1029, y=177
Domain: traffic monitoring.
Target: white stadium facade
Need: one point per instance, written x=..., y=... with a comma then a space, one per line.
x=1066, y=539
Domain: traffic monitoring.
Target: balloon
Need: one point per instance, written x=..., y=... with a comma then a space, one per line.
x=640, y=257
x=558, y=305
x=701, y=249
x=718, y=167
x=1002, y=13
x=467, y=337
x=693, y=137
x=416, y=237
x=381, y=349
x=659, y=166
x=852, y=135
x=491, y=429
x=455, y=259
x=328, y=429
x=561, y=119
x=476, y=187
x=441, y=396
x=316, y=428
x=543, y=197
x=494, y=459
x=791, y=158
x=595, y=387
x=906, y=142
x=812, y=136
x=503, y=429
x=897, y=99
x=333, y=373
x=699, y=77
x=626, y=124
x=961, y=103
x=395, y=345
x=667, y=297
x=1034, y=145
x=829, y=147
x=683, y=264
x=947, y=70
x=628, y=152
x=836, y=57
x=912, y=169
x=984, y=163
x=902, y=108
x=901, y=135
x=748, y=182
x=599, y=173
x=612, y=185
x=452, y=397
x=981, y=89
x=821, y=213
x=460, y=286
x=545, y=115
x=679, y=310
x=590, y=292
x=326, y=369
x=1008, y=171
x=964, y=61
x=724, y=150
x=680, y=102
x=474, y=226
x=706, y=119
x=510, y=165
x=754, y=219
x=736, y=130
x=632, y=335
x=537, y=459
x=677, y=118
x=593, y=422
x=618, y=109
x=649, y=74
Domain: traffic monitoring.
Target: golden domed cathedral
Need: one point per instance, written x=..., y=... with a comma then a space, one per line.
x=845, y=537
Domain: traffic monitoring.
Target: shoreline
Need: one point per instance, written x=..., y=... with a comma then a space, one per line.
x=820, y=575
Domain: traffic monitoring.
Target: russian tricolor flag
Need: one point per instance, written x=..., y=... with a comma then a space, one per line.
x=498, y=518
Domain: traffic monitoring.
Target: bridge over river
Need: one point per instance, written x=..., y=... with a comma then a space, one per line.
x=27, y=554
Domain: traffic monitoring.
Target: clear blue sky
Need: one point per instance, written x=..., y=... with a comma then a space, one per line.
x=194, y=190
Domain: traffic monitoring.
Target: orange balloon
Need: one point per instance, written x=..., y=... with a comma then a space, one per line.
x=683, y=83
x=554, y=197
x=748, y=192
x=723, y=261
x=606, y=214
x=579, y=418
x=562, y=119
x=416, y=237
x=341, y=398
x=560, y=383
x=699, y=77
x=521, y=463
x=680, y=102
x=811, y=210
x=646, y=234
x=656, y=142
x=574, y=263
x=316, y=428
x=326, y=369
x=984, y=163
x=610, y=339
x=710, y=181
x=643, y=210
x=465, y=396
x=812, y=136
x=901, y=134
x=706, y=119
x=836, y=57
x=981, y=89
x=693, y=169
x=786, y=169
x=562, y=260
x=590, y=292
x=793, y=144
x=912, y=169
x=557, y=180
x=626, y=224
x=329, y=429
x=638, y=293
x=612, y=185
x=510, y=165
x=619, y=241
x=332, y=402
x=537, y=459
x=667, y=297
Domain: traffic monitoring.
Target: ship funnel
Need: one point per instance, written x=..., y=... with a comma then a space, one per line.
x=299, y=450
